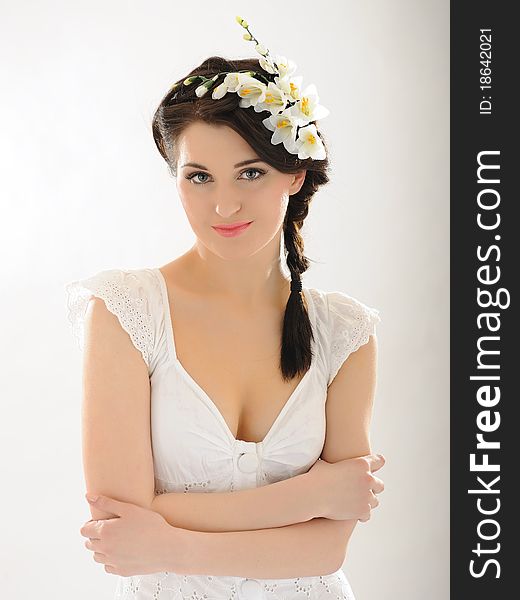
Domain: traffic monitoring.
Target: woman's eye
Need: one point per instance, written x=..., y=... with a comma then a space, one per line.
x=192, y=176
x=253, y=171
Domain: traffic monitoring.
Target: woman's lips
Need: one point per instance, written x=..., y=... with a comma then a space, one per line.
x=232, y=230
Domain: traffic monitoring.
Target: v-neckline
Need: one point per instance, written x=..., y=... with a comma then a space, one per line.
x=191, y=381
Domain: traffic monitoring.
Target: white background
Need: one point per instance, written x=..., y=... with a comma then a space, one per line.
x=83, y=188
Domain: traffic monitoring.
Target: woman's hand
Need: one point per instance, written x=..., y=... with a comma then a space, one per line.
x=348, y=486
x=136, y=542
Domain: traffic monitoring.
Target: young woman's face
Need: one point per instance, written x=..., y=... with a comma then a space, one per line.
x=218, y=189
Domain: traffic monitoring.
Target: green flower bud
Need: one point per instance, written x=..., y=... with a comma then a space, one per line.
x=247, y=36
x=242, y=22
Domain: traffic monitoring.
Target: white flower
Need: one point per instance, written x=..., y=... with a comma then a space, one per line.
x=284, y=127
x=251, y=91
x=290, y=86
x=220, y=91
x=267, y=65
x=201, y=90
x=308, y=144
x=308, y=108
x=233, y=81
x=286, y=66
x=230, y=84
x=274, y=101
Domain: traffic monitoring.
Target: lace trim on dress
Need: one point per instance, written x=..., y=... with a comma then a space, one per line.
x=199, y=587
x=121, y=294
x=352, y=325
x=188, y=485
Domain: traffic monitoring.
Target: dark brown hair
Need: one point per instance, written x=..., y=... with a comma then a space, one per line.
x=180, y=107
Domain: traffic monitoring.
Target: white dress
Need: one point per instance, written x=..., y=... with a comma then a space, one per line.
x=193, y=448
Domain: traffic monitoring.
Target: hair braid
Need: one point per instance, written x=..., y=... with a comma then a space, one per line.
x=296, y=355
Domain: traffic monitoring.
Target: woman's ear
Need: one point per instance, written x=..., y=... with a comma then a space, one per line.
x=298, y=179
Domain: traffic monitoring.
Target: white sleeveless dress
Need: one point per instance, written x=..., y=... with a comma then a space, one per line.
x=193, y=448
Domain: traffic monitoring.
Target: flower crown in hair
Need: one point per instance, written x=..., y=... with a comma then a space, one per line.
x=275, y=90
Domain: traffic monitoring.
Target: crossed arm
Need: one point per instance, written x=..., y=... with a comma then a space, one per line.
x=274, y=531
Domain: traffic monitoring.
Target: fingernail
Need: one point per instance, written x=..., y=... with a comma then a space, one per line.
x=92, y=498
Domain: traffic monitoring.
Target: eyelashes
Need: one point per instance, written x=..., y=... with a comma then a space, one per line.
x=191, y=176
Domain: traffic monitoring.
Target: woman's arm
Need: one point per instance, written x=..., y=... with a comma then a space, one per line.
x=117, y=454
x=292, y=500
x=300, y=550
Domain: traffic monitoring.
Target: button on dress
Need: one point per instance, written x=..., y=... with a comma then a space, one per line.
x=194, y=450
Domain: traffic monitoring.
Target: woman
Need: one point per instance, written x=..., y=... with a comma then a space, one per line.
x=215, y=373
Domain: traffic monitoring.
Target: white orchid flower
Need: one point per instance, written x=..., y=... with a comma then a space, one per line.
x=251, y=91
x=308, y=144
x=286, y=66
x=284, y=126
x=274, y=101
x=308, y=109
x=230, y=84
x=291, y=86
x=233, y=81
x=220, y=91
x=267, y=65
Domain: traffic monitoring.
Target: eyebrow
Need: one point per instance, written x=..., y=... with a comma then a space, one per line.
x=240, y=164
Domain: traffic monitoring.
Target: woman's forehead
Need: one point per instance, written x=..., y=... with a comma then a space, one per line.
x=213, y=145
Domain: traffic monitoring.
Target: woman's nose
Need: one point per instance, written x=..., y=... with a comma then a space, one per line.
x=227, y=207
